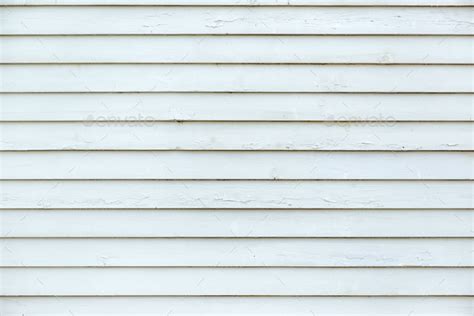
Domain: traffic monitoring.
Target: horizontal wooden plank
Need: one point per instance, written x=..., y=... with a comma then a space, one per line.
x=235, y=107
x=236, y=165
x=245, y=2
x=297, y=306
x=146, y=135
x=235, y=78
x=236, y=252
x=236, y=281
x=235, y=20
x=236, y=223
x=237, y=49
x=236, y=194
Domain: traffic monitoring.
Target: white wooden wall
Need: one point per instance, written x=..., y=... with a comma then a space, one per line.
x=244, y=157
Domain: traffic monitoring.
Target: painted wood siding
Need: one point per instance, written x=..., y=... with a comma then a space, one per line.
x=196, y=157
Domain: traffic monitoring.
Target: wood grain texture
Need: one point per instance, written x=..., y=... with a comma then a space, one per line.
x=236, y=78
x=260, y=252
x=236, y=281
x=237, y=165
x=236, y=194
x=145, y=135
x=236, y=223
x=331, y=107
x=235, y=20
x=237, y=49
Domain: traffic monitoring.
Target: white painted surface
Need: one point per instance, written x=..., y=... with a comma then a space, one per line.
x=307, y=157
x=143, y=135
x=237, y=49
x=223, y=165
x=237, y=252
x=330, y=107
x=298, y=306
x=236, y=194
x=245, y=2
x=236, y=78
x=236, y=20
x=237, y=281
x=237, y=223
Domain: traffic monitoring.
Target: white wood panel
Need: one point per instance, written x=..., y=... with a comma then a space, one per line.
x=235, y=78
x=235, y=20
x=144, y=192
x=236, y=165
x=146, y=135
x=236, y=107
x=135, y=205
x=237, y=223
x=236, y=281
x=245, y=2
x=192, y=306
x=236, y=252
x=236, y=194
x=237, y=49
